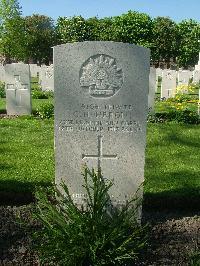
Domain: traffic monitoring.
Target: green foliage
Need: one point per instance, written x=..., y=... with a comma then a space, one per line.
x=39, y=94
x=185, y=116
x=133, y=27
x=40, y=38
x=195, y=259
x=165, y=36
x=75, y=29
x=11, y=30
x=96, y=234
x=2, y=90
x=46, y=110
x=189, y=45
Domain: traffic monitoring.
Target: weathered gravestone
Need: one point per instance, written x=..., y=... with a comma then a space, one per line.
x=47, y=78
x=197, y=67
x=158, y=77
x=34, y=70
x=196, y=76
x=101, y=91
x=184, y=77
x=2, y=73
x=152, y=89
x=18, y=92
x=168, y=87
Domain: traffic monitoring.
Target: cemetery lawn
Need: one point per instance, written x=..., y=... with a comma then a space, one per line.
x=26, y=154
x=172, y=169
x=172, y=157
x=36, y=104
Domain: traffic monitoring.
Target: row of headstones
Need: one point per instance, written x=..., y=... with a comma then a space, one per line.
x=170, y=79
x=18, y=93
x=43, y=72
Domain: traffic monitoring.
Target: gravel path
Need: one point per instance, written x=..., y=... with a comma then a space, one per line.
x=173, y=237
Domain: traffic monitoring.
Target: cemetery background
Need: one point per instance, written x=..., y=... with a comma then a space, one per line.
x=171, y=172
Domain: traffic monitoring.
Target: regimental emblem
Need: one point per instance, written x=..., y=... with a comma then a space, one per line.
x=101, y=75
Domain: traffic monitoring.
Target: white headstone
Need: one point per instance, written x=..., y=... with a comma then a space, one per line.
x=47, y=78
x=101, y=105
x=196, y=76
x=158, y=76
x=152, y=89
x=18, y=92
x=168, y=87
x=35, y=70
x=2, y=73
x=197, y=67
x=184, y=77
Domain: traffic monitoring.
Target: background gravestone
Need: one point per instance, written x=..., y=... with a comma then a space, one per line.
x=101, y=105
x=34, y=70
x=158, y=76
x=184, y=77
x=47, y=78
x=18, y=92
x=152, y=89
x=196, y=76
x=2, y=73
x=168, y=87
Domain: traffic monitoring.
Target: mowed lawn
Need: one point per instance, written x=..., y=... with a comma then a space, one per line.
x=172, y=157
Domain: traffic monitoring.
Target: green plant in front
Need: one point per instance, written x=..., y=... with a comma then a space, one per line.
x=46, y=110
x=2, y=90
x=96, y=234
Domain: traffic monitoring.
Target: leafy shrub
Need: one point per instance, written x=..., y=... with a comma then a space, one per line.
x=46, y=110
x=96, y=234
x=180, y=98
x=39, y=94
x=195, y=259
x=185, y=116
x=2, y=90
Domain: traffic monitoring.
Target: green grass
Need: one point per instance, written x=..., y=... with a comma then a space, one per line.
x=172, y=162
x=36, y=103
x=26, y=154
x=172, y=157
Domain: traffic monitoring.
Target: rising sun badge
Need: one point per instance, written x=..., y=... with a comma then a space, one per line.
x=101, y=76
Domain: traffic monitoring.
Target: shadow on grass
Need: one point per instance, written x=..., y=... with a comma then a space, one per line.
x=177, y=199
x=3, y=111
x=15, y=193
x=184, y=196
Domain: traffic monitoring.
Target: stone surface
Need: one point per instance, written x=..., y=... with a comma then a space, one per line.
x=34, y=70
x=158, y=75
x=152, y=89
x=18, y=92
x=168, y=86
x=47, y=78
x=184, y=77
x=101, y=106
x=2, y=73
x=196, y=76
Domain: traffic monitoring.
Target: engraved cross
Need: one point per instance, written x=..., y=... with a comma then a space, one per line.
x=100, y=155
x=17, y=88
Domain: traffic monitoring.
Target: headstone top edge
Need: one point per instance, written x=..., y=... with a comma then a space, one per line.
x=101, y=42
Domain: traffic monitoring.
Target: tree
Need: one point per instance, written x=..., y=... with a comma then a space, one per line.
x=189, y=45
x=133, y=27
x=164, y=38
x=40, y=38
x=11, y=30
x=74, y=29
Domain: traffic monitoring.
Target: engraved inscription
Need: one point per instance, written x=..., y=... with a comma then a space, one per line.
x=99, y=156
x=101, y=76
